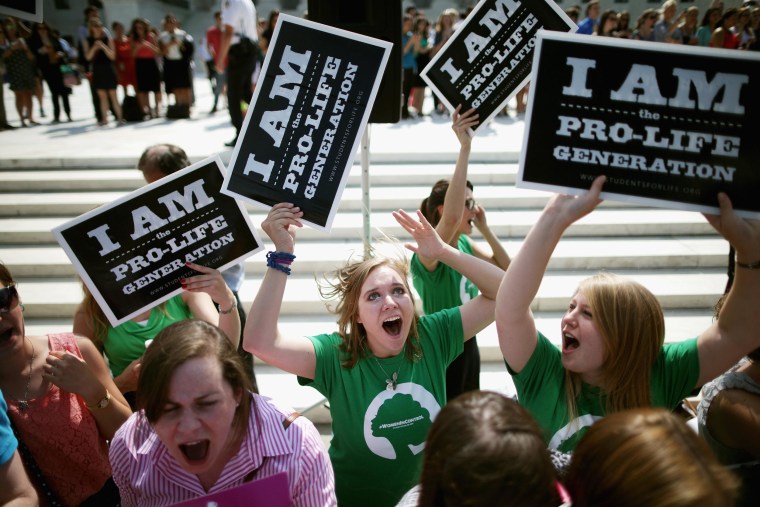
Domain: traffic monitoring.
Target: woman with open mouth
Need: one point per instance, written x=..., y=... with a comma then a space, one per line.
x=63, y=405
x=201, y=430
x=383, y=371
x=612, y=356
x=452, y=210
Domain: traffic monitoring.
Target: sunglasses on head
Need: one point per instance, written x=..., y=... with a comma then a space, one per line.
x=8, y=298
x=470, y=204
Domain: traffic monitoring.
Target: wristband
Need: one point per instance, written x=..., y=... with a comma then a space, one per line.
x=280, y=261
x=751, y=265
x=102, y=403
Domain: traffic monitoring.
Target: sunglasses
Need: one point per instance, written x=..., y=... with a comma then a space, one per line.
x=8, y=298
x=470, y=204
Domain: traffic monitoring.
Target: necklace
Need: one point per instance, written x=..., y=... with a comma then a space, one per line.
x=391, y=381
x=23, y=405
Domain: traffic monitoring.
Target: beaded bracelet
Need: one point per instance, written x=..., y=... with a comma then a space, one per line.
x=751, y=265
x=280, y=261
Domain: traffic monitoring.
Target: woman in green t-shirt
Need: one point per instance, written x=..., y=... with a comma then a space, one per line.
x=612, y=356
x=383, y=371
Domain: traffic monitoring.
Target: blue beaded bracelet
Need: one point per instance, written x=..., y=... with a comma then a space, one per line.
x=280, y=261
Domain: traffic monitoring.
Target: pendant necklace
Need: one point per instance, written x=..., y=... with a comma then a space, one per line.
x=391, y=381
x=23, y=405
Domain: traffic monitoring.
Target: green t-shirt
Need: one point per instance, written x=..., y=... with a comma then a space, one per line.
x=541, y=389
x=125, y=343
x=379, y=434
x=444, y=287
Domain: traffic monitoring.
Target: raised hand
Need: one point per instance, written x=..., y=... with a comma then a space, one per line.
x=461, y=123
x=429, y=243
x=211, y=282
x=570, y=208
x=280, y=225
x=742, y=233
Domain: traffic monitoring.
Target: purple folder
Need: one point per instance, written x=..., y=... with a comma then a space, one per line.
x=268, y=492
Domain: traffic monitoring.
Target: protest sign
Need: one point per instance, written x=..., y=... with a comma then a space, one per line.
x=668, y=125
x=488, y=59
x=305, y=121
x=131, y=253
x=30, y=10
x=270, y=491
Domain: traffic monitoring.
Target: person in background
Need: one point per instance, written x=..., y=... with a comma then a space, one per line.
x=646, y=457
x=175, y=48
x=201, y=430
x=49, y=54
x=574, y=13
x=421, y=27
x=213, y=44
x=743, y=28
x=607, y=25
x=484, y=450
x=83, y=32
x=145, y=50
x=723, y=36
x=125, y=62
x=613, y=354
x=451, y=209
x=21, y=70
x=240, y=49
x=688, y=26
x=645, y=25
x=666, y=29
x=63, y=405
x=15, y=488
x=101, y=54
x=4, y=125
x=623, y=29
x=705, y=30
x=444, y=29
x=410, y=45
x=588, y=25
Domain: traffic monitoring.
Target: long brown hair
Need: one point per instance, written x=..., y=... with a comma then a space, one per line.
x=429, y=205
x=483, y=449
x=632, y=325
x=647, y=457
x=344, y=285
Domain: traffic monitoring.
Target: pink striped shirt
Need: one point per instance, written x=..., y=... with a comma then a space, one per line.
x=148, y=476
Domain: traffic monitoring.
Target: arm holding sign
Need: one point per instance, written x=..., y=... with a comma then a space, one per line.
x=211, y=282
x=735, y=333
x=514, y=320
x=262, y=335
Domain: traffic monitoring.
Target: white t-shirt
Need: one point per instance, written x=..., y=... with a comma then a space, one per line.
x=174, y=52
x=241, y=16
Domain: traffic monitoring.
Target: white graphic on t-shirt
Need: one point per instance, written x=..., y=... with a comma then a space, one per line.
x=464, y=290
x=573, y=427
x=397, y=421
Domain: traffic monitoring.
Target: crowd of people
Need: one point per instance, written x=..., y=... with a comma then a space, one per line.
x=164, y=408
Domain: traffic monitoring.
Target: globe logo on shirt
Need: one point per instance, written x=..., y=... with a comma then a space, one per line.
x=396, y=422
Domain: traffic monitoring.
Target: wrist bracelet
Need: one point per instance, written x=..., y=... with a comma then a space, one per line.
x=751, y=265
x=280, y=261
x=233, y=306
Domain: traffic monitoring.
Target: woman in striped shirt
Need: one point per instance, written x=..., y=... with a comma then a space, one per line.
x=201, y=430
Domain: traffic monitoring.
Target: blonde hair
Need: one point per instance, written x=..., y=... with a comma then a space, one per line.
x=345, y=284
x=647, y=457
x=630, y=320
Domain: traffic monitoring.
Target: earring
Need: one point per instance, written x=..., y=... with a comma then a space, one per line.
x=22, y=307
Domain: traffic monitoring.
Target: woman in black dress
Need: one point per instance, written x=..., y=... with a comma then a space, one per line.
x=50, y=56
x=101, y=54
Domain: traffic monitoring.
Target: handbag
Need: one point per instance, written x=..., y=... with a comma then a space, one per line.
x=70, y=75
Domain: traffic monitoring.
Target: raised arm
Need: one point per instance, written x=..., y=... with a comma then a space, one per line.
x=498, y=255
x=262, y=336
x=514, y=319
x=478, y=312
x=736, y=332
x=453, y=202
x=212, y=283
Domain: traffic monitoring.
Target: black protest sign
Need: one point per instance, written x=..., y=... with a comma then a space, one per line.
x=30, y=10
x=668, y=125
x=131, y=253
x=305, y=121
x=488, y=58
